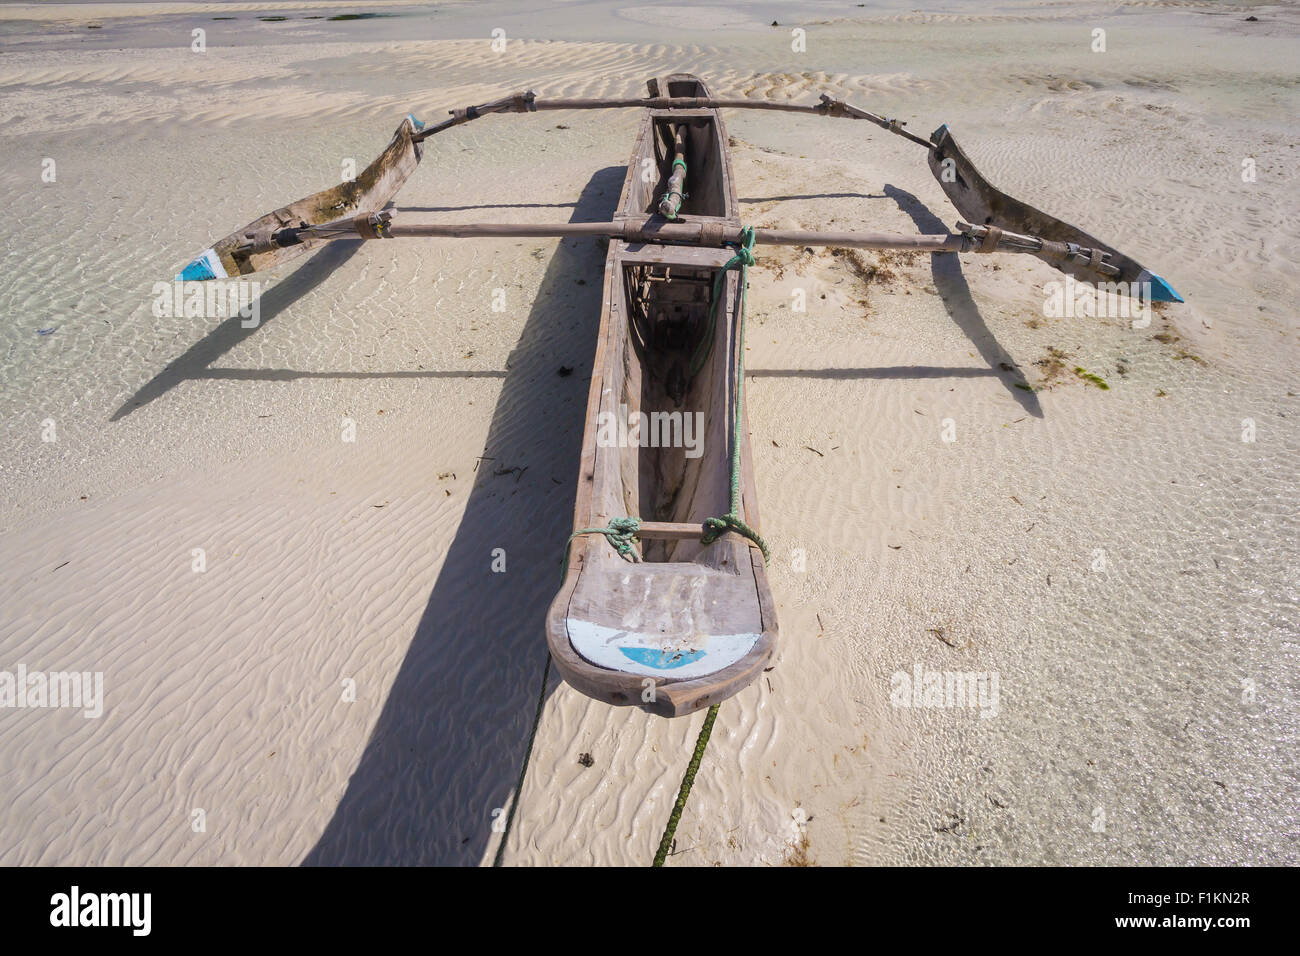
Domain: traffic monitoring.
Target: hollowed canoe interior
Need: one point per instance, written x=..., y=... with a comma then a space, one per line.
x=705, y=185
x=674, y=455
x=681, y=84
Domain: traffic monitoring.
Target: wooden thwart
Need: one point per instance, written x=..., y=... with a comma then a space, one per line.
x=670, y=530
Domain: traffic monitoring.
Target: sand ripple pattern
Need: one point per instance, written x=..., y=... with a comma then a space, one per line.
x=330, y=562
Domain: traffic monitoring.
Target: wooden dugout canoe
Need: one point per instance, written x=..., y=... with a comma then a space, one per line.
x=690, y=624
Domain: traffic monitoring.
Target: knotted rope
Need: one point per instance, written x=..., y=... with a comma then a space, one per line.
x=620, y=534
x=715, y=528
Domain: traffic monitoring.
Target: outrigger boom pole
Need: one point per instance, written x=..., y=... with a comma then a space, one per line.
x=527, y=102
x=380, y=225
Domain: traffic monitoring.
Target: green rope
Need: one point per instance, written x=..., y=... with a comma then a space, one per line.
x=665, y=844
x=619, y=534
x=714, y=528
x=743, y=258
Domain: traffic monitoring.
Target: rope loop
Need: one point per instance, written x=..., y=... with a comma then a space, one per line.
x=745, y=251
x=743, y=258
x=715, y=528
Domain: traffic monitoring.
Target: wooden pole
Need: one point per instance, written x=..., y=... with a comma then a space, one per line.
x=670, y=205
x=985, y=239
x=650, y=229
x=682, y=232
x=527, y=102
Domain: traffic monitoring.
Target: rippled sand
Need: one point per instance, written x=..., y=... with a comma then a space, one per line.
x=1153, y=690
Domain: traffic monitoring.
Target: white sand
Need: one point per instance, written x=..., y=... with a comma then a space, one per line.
x=330, y=562
x=112, y=9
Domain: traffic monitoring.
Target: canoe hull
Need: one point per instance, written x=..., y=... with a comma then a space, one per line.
x=691, y=624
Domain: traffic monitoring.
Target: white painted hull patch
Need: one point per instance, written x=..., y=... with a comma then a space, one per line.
x=651, y=655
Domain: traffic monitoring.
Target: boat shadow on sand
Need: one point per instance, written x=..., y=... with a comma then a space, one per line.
x=950, y=282
x=954, y=291
x=446, y=748
x=197, y=362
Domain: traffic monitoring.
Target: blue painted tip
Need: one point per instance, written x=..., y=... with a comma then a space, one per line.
x=196, y=270
x=1162, y=291
x=206, y=266
x=661, y=660
x=415, y=122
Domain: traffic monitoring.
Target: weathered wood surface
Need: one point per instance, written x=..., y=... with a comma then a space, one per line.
x=692, y=624
x=638, y=228
x=671, y=203
x=982, y=203
x=369, y=192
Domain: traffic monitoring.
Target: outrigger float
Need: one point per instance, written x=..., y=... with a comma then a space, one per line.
x=665, y=601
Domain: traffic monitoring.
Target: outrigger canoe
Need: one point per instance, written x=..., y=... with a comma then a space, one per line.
x=665, y=601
